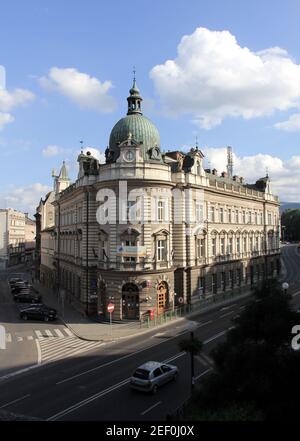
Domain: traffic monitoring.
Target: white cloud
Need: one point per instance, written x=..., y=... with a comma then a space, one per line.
x=5, y=118
x=96, y=153
x=25, y=198
x=54, y=150
x=213, y=77
x=290, y=125
x=284, y=174
x=86, y=91
x=10, y=100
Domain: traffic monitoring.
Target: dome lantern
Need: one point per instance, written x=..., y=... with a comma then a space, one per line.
x=134, y=99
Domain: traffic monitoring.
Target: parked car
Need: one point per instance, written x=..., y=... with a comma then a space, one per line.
x=20, y=288
x=151, y=375
x=14, y=280
x=27, y=297
x=38, y=312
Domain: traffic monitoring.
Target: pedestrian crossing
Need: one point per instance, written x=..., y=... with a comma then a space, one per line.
x=39, y=335
x=55, y=349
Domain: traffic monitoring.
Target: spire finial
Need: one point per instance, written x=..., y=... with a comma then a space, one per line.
x=267, y=172
x=81, y=144
x=196, y=142
x=134, y=72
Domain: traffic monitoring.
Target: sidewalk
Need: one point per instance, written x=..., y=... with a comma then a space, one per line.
x=91, y=329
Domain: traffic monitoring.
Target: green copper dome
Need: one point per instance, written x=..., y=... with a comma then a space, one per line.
x=141, y=128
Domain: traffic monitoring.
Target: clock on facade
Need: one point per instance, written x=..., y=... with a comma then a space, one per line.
x=129, y=155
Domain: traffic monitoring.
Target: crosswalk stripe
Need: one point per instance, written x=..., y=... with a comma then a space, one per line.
x=59, y=333
x=20, y=338
x=201, y=360
x=69, y=346
x=71, y=353
x=8, y=338
x=39, y=335
x=29, y=337
x=63, y=348
x=49, y=333
x=67, y=331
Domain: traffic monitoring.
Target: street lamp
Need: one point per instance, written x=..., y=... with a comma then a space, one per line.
x=285, y=287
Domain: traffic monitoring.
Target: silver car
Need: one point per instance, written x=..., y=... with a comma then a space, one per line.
x=151, y=375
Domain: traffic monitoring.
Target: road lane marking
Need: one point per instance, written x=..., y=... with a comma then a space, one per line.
x=203, y=373
x=214, y=337
x=102, y=393
x=39, y=335
x=29, y=337
x=48, y=333
x=296, y=294
x=201, y=360
x=226, y=314
x=38, y=347
x=8, y=338
x=67, y=331
x=59, y=333
x=150, y=408
x=14, y=401
x=20, y=338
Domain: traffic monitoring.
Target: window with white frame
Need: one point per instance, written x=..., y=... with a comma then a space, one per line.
x=161, y=250
x=244, y=216
x=245, y=244
x=222, y=246
x=160, y=210
x=212, y=213
x=199, y=212
x=230, y=245
x=237, y=216
x=229, y=215
x=221, y=214
x=238, y=245
x=200, y=247
x=213, y=246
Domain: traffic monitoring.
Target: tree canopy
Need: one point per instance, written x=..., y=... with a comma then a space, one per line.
x=256, y=373
x=290, y=221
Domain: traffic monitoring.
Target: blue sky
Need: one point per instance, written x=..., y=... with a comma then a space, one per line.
x=103, y=40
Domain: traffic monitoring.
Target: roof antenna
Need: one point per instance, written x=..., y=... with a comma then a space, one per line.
x=267, y=172
x=229, y=162
x=196, y=142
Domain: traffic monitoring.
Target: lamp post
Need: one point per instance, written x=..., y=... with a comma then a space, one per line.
x=285, y=287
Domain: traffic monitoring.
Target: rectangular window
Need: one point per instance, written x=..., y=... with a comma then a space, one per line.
x=245, y=244
x=160, y=210
x=213, y=246
x=161, y=250
x=251, y=244
x=200, y=248
x=199, y=212
x=214, y=283
x=201, y=286
x=229, y=215
x=221, y=212
x=222, y=247
x=230, y=243
x=212, y=213
x=237, y=216
x=244, y=216
x=238, y=245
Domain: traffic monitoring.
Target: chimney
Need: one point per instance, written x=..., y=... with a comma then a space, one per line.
x=224, y=175
x=215, y=172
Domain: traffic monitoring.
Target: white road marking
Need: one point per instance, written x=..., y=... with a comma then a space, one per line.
x=67, y=331
x=203, y=373
x=20, y=338
x=38, y=347
x=226, y=314
x=14, y=401
x=214, y=337
x=39, y=335
x=150, y=408
x=8, y=338
x=201, y=360
x=59, y=333
x=29, y=337
x=101, y=394
x=49, y=333
x=296, y=294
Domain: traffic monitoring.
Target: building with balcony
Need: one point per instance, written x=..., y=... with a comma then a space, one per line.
x=153, y=230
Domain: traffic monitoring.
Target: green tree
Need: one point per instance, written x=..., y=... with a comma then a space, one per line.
x=290, y=221
x=255, y=368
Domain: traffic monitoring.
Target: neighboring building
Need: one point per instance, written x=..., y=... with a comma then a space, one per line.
x=45, y=216
x=229, y=238
x=30, y=235
x=12, y=237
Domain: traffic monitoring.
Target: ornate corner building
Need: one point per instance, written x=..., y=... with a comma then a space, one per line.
x=152, y=230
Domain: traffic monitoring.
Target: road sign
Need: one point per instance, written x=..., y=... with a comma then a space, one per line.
x=110, y=307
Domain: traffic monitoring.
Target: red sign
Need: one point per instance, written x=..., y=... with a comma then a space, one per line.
x=110, y=307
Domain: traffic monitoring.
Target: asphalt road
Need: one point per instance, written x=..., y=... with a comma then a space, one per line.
x=94, y=385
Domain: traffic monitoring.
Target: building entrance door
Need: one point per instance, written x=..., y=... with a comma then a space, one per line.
x=162, y=297
x=130, y=301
